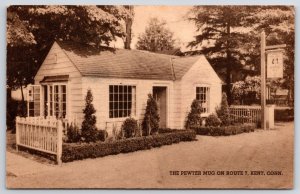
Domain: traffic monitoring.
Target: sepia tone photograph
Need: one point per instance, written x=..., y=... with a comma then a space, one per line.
x=150, y=97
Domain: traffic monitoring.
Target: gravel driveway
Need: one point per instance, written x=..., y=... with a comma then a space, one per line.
x=247, y=161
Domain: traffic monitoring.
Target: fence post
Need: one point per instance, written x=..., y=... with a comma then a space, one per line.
x=17, y=133
x=59, y=141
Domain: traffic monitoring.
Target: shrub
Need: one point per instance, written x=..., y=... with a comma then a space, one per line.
x=223, y=111
x=150, y=122
x=225, y=130
x=212, y=120
x=284, y=114
x=74, y=151
x=129, y=127
x=73, y=133
x=167, y=130
x=102, y=135
x=194, y=116
x=88, y=128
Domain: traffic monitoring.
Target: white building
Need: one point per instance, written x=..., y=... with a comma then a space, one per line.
x=120, y=81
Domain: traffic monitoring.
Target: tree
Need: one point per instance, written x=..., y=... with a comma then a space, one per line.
x=157, y=37
x=278, y=22
x=229, y=35
x=223, y=112
x=150, y=122
x=31, y=30
x=88, y=127
x=41, y=25
x=194, y=117
x=128, y=25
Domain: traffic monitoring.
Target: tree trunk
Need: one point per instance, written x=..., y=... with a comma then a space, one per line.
x=23, y=105
x=229, y=66
x=128, y=23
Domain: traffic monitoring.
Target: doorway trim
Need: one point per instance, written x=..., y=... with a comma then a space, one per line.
x=167, y=86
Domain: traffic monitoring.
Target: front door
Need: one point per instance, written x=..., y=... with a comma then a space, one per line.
x=160, y=95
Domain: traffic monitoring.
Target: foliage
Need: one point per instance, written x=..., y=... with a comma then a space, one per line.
x=194, y=117
x=157, y=37
x=225, y=130
x=102, y=135
x=129, y=127
x=11, y=113
x=31, y=30
x=249, y=92
x=230, y=35
x=73, y=133
x=167, y=130
x=74, y=151
x=150, y=122
x=17, y=33
x=284, y=115
x=213, y=120
x=223, y=111
x=88, y=127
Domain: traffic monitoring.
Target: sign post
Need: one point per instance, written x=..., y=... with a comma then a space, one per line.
x=263, y=78
x=274, y=69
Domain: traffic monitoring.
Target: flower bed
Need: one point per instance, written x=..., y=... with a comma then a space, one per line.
x=225, y=130
x=76, y=151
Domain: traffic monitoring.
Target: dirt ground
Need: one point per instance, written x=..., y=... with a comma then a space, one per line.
x=252, y=157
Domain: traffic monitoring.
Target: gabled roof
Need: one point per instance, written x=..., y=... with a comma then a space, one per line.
x=121, y=63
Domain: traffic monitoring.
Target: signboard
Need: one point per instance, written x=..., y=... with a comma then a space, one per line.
x=275, y=64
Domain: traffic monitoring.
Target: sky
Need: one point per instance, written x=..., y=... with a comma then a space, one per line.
x=183, y=30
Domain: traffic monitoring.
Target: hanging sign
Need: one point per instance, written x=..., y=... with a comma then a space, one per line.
x=275, y=63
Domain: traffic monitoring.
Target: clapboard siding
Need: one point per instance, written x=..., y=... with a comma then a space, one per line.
x=180, y=93
x=58, y=63
x=100, y=90
x=191, y=80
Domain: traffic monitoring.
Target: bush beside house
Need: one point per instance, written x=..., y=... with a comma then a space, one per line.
x=213, y=120
x=129, y=127
x=194, y=117
x=150, y=122
x=218, y=124
x=225, y=130
x=223, y=111
x=88, y=127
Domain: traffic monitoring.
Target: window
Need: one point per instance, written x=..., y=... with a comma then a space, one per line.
x=34, y=97
x=202, y=94
x=60, y=101
x=121, y=101
x=55, y=100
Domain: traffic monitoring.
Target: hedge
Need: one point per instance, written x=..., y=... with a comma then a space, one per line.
x=75, y=151
x=284, y=114
x=225, y=130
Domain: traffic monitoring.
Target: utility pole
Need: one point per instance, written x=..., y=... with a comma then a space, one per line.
x=263, y=78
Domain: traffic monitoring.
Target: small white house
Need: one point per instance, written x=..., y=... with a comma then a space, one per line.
x=120, y=81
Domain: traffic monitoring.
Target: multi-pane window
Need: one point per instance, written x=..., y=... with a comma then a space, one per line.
x=60, y=101
x=34, y=100
x=121, y=101
x=202, y=94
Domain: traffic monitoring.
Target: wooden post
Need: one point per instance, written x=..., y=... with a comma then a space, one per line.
x=263, y=79
x=59, y=141
x=17, y=133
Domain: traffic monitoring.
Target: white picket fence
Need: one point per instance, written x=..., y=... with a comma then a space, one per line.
x=246, y=114
x=42, y=134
